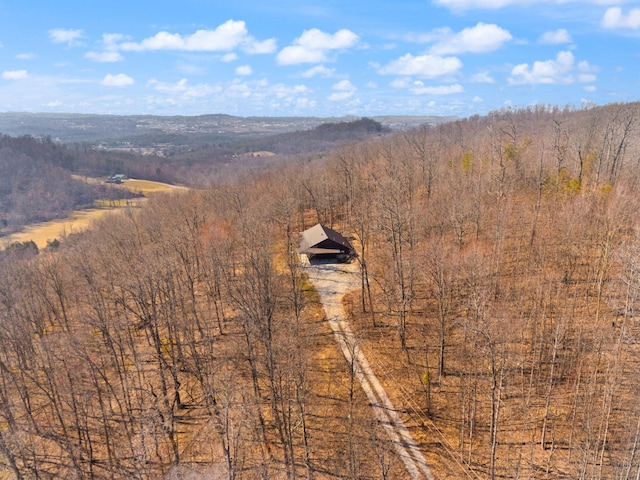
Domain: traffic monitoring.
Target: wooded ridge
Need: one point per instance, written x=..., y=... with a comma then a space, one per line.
x=497, y=304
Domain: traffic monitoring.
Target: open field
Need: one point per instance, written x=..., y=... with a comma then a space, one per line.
x=80, y=220
x=134, y=184
x=259, y=154
x=40, y=233
x=147, y=186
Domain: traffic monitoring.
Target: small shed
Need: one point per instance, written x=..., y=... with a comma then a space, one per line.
x=321, y=242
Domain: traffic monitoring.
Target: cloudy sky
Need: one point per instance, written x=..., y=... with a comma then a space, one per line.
x=315, y=57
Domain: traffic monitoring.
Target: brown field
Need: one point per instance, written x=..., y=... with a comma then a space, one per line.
x=80, y=220
x=134, y=184
x=40, y=233
x=147, y=186
x=260, y=154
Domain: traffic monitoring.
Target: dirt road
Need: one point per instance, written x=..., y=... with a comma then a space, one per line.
x=332, y=281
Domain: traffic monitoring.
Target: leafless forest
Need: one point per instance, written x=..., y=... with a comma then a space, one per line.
x=500, y=261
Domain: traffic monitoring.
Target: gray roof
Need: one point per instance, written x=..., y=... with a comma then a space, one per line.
x=314, y=236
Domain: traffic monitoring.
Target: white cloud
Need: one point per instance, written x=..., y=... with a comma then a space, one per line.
x=229, y=57
x=110, y=40
x=546, y=72
x=315, y=39
x=482, y=77
x=555, y=37
x=190, y=69
x=255, y=47
x=295, y=54
x=427, y=66
x=180, y=86
x=340, y=96
x=477, y=99
x=401, y=83
x=68, y=36
x=109, y=53
x=15, y=74
x=26, y=56
x=305, y=104
x=226, y=37
x=483, y=38
x=319, y=71
x=244, y=70
x=420, y=89
x=614, y=18
x=239, y=90
x=558, y=71
x=586, y=77
x=120, y=80
x=104, y=57
x=590, y=88
x=183, y=89
x=285, y=91
x=344, y=90
x=55, y=103
x=314, y=45
x=344, y=86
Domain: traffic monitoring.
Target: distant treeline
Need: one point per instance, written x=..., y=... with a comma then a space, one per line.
x=322, y=138
x=220, y=159
x=215, y=157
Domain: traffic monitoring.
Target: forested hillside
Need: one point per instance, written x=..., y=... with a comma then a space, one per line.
x=322, y=138
x=196, y=164
x=36, y=183
x=499, y=289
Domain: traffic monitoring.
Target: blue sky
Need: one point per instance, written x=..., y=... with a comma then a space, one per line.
x=312, y=57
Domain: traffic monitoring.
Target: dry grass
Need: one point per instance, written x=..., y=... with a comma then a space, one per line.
x=40, y=233
x=259, y=154
x=80, y=220
x=133, y=184
x=147, y=186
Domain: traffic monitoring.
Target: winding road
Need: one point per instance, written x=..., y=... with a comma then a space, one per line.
x=332, y=281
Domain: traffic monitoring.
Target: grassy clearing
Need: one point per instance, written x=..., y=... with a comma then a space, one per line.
x=146, y=186
x=80, y=220
x=133, y=184
x=40, y=233
x=262, y=153
x=119, y=203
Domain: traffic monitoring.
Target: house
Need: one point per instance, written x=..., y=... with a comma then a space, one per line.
x=117, y=178
x=320, y=242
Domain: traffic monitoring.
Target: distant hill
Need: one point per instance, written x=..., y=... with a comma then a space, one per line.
x=147, y=130
x=321, y=138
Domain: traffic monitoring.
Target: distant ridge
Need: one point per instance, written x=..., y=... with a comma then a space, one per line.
x=93, y=128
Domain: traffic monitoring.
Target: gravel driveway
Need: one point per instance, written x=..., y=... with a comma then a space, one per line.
x=332, y=281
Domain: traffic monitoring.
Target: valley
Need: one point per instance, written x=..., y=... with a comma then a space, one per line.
x=42, y=234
